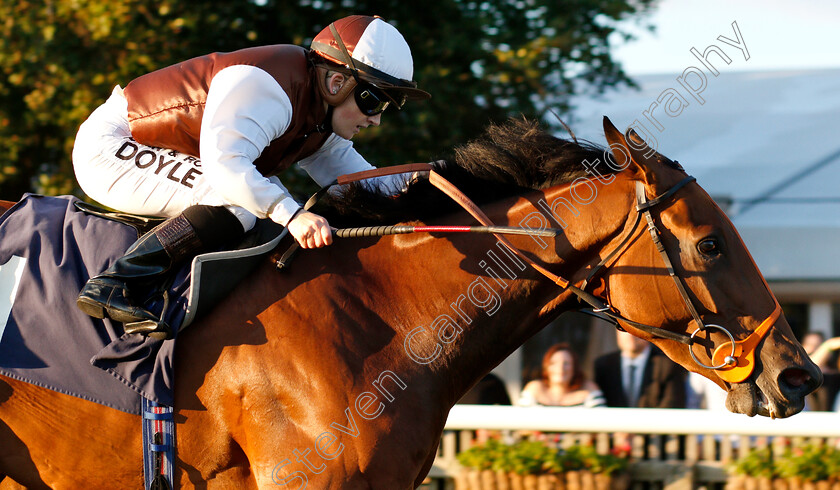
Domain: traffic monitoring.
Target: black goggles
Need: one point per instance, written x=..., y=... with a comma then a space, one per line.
x=373, y=100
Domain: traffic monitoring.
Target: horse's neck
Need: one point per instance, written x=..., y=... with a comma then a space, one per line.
x=503, y=301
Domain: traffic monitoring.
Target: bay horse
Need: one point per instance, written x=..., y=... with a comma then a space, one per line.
x=340, y=373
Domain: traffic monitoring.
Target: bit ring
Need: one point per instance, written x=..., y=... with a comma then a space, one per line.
x=728, y=361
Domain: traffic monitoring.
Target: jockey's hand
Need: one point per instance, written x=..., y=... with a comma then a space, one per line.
x=310, y=230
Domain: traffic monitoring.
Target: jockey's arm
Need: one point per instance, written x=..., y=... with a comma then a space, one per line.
x=338, y=157
x=335, y=158
x=246, y=109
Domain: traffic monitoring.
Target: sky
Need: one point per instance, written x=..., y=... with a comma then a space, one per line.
x=763, y=135
x=779, y=35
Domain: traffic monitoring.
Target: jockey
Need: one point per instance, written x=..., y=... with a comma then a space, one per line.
x=199, y=142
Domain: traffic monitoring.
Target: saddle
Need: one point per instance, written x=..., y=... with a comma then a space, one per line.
x=142, y=224
x=48, y=249
x=233, y=264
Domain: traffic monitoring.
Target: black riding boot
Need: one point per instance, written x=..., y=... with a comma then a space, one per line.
x=197, y=229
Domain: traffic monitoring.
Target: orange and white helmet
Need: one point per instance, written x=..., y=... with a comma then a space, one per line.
x=374, y=52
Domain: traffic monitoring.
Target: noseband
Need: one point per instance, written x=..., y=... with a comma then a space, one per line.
x=734, y=361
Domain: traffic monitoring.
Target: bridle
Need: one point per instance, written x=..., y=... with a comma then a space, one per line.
x=732, y=361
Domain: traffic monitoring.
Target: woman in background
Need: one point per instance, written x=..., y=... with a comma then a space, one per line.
x=562, y=382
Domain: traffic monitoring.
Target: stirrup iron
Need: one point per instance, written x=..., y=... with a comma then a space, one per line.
x=149, y=328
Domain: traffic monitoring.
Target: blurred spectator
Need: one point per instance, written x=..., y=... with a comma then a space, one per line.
x=489, y=391
x=640, y=375
x=825, y=398
x=562, y=382
x=822, y=354
x=704, y=393
x=811, y=341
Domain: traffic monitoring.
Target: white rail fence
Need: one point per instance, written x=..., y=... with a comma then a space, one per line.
x=671, y=449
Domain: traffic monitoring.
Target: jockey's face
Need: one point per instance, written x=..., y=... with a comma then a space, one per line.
x=348, y=120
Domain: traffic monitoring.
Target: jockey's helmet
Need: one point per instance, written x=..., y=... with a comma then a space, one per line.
x=373, y=52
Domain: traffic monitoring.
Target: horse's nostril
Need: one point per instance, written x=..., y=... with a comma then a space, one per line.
x=795, y=377
x=799, y=381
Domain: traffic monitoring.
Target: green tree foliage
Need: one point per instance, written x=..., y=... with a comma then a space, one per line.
x=481, y=60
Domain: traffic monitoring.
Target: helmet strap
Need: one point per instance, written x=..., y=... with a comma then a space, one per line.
x=333, y=99
x=350, y=63
x=326, y=126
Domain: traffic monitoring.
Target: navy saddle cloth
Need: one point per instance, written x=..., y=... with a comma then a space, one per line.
x=48, y=249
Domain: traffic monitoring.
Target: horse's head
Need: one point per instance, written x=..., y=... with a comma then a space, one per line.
x=765, y=370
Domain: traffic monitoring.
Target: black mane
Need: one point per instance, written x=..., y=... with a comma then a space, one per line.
x=508, y=160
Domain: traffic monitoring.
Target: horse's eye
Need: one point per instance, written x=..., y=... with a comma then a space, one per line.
x=709, y=247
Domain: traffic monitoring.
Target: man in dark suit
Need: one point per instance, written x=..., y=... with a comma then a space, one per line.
x=640, y=375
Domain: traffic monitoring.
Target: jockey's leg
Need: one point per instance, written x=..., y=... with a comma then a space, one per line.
x=124, y=174
x=198, y=229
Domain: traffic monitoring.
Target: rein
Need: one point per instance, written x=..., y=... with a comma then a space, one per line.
x=733, y=361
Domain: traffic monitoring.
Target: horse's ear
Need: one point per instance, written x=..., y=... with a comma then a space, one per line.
x=641, y=152
x=613, y=134
x=622, y=152
x=639, y=149
x=632, y=153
